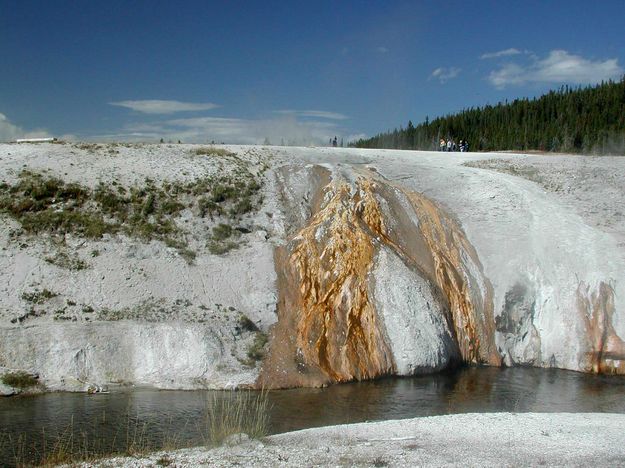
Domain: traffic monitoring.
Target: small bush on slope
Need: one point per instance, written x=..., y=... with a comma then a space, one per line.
x=19, y=379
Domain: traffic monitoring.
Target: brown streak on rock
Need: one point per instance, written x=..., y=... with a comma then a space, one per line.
x=472, y=314
x=606, y=349
x=336, y=331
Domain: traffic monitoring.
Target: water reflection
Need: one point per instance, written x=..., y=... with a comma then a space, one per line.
x=168, y=414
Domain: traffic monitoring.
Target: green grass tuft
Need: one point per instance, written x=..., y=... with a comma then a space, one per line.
x=256, y=351
x=236, y=412
x=38, y=297
x=19, y=379
x=64, y=260
x=212, y=151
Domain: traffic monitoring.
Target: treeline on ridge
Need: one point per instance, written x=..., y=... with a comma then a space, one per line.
x=581, y=120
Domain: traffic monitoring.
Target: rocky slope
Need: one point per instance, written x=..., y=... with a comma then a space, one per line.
x=169, y=265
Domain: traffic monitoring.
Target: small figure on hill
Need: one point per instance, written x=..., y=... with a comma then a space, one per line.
x=442, y=145
x=450, y=145
x=461, y=146
x=335, y=142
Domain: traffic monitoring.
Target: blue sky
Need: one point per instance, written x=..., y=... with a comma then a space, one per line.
x=295, y=71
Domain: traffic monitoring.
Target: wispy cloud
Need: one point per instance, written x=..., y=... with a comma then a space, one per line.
x=355, y=137
x=501, y=53
x=286, y=128
x=381, y=49
x=558, y=67
x=443, y=74
x=157, y=106
x=9, y=131
x=317, y=114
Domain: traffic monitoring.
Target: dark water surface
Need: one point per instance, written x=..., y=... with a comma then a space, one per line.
x=155, y=417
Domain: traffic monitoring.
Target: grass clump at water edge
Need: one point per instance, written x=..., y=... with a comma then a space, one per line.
x=225, y=413
x=236, y=412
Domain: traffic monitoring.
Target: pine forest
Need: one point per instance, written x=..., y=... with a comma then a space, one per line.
x=588, y=120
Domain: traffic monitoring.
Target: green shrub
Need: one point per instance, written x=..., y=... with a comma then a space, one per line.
x=19, y=379
x=186, y=253
x=89, y=224
x=220, y=193
x=110, y=202
x=256, y=351
x=171, y=207
x=222, y=231
x=38, y=297
x=212, y=151
x=64, y=260
x=208, y=206
x=243, y=206
x=219, y=248
x=246, y=324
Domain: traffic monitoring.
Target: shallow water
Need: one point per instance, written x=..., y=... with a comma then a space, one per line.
x=154, y=417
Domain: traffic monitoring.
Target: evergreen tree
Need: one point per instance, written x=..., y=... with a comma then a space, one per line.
x=588, y=120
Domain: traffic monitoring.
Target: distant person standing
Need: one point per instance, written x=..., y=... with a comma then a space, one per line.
x=461, y=146
x=441, y=145
x=335, y=142
x=450, y=145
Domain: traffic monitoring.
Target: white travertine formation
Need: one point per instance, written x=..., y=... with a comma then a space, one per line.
x=550, y=240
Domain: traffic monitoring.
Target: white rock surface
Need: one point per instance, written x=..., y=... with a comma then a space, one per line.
x=166, y=355
x=413, y=319
x=497, y=439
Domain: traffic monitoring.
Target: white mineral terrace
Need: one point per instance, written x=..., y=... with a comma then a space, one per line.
x=396, y=262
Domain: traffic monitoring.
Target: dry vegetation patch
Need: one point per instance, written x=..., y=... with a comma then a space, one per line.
x=19, y=379
x=212, y=151
x=47, y=205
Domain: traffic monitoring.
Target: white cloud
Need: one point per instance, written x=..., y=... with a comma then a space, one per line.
x=558, y=67
x=313, y=113
x=10, y=132
x=501, y=53
x=157, y=106
x=285, y=129
x=382, y=50
x=445, y=74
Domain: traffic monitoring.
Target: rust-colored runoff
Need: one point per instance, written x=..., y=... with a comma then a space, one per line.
x=472, y=313
x=328, y=329
x=327, y=322
x=338, y=330
x=606, y=351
